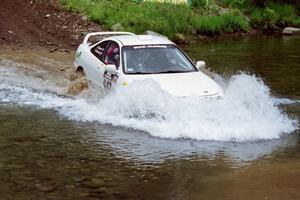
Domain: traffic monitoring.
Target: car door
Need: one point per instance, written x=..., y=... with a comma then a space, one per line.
x=97, y=61
x=111, y=56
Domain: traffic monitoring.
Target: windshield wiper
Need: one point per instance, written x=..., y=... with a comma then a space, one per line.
x=171, y=71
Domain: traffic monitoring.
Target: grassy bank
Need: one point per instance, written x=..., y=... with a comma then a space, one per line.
x=201, y=17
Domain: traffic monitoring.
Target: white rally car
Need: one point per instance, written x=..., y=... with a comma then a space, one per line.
x=123, y=57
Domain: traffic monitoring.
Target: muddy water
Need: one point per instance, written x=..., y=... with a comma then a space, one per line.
x=50, y=150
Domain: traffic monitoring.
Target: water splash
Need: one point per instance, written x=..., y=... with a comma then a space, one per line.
x=246, y=112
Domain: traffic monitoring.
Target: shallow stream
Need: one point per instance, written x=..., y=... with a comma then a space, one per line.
x=134, y=144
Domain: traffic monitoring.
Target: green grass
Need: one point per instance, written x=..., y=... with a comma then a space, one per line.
x=269, y=14
x=167, y=19
x=200, y=17
x=264, y=19
x=274, y=15
x=234, y=22
x=286, y=14
x=213, y=25
x=208, y=25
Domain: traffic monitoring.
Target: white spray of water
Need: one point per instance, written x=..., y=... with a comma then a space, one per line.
x=246, y=112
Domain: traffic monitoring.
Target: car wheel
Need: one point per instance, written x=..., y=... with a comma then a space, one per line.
x=80, y=72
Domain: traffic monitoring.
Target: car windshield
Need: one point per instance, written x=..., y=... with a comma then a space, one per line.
x=154, y=59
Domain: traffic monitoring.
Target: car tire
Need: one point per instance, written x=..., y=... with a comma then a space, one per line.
x=80, y=72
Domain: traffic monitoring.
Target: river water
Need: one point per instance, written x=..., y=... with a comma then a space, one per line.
x=134, y=144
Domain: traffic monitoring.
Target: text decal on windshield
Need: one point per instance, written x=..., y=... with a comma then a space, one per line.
x=150, y=46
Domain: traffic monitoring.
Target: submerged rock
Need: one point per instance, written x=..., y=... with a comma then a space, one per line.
x=45, y=187
x=290, y=31
x=92, y=183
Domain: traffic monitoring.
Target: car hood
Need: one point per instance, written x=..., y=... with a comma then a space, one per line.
x=182, y=84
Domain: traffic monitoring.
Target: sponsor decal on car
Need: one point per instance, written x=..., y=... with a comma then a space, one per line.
x=78, y=54
x=150, y=46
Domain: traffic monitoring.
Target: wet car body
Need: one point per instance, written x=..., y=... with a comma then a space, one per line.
x=123, y=57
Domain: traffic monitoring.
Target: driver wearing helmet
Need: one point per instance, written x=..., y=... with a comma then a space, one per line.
x=112, y=55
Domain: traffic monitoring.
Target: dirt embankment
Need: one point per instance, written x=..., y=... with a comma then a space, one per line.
x=41, y=23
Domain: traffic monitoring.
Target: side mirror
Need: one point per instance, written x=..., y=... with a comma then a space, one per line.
x=111, y=69
x=200, y=65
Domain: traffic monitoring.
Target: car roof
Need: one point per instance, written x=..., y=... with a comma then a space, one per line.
x=129, y=40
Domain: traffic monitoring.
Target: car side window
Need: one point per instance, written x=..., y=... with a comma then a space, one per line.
x=99, y=50
x=112, y=54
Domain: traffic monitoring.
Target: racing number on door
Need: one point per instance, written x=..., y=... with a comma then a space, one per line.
x=108, y=79
x=111, y=56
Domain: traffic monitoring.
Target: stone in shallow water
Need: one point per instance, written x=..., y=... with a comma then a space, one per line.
x=92, y=183
x=290, y=31
x=45, y=187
